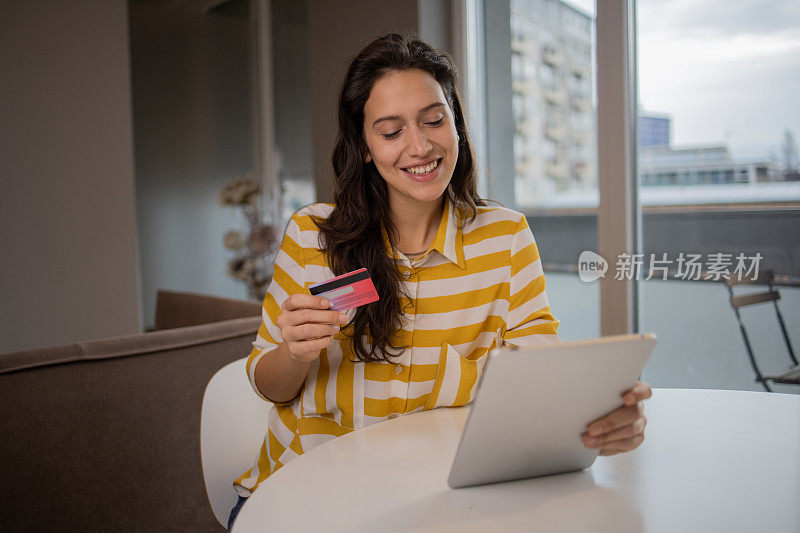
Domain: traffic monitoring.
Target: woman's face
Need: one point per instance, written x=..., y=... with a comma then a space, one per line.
x=411, y=135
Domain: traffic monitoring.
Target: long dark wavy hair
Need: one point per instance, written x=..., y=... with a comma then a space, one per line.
x=351, y=236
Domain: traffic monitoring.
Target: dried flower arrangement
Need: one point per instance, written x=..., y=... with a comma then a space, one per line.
x=255, y=246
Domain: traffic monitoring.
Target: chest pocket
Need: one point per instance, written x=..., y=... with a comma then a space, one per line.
x=457, y=377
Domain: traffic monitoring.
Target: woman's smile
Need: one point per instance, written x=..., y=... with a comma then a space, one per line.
x=424, y=172
x=410, y=133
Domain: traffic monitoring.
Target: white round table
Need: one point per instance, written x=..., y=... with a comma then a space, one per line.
x=711, y=461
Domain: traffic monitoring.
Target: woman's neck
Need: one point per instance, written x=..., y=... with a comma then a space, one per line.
x=417, y=223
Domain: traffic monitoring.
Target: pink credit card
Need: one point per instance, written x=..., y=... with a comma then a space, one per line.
x=347, y=291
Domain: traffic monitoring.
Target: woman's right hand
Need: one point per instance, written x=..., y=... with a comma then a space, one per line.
x=307, y=326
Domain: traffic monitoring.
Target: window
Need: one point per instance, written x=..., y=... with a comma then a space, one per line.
x=717, y=94
x=554, y=149
x=717, y=160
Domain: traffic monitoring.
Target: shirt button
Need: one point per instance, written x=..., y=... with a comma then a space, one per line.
x=392, y=416
x=407, y=274
x=398, y=369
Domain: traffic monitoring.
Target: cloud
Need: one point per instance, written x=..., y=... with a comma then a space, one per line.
x=720, y=18
x=725, y=71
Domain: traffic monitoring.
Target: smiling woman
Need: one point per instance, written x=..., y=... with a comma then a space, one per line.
x=405, y=181
x=414, y=150
x=399, y=113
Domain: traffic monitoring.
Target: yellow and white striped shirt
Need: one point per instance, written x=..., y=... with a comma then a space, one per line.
x=479, y=285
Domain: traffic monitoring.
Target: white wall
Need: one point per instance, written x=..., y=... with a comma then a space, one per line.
x=68, y=266
x=193, y=120
x=434, y=23
x=337, y=31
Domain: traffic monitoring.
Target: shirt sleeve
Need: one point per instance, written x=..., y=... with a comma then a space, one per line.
x=288, y=278
x=529, y=319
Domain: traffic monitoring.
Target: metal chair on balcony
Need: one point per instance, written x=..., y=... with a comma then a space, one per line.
x=792, y=375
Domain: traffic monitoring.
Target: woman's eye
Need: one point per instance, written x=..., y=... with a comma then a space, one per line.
x=394, y=134
x=391, y=135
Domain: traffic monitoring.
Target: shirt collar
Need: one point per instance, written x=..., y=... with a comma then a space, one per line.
x=449, y=239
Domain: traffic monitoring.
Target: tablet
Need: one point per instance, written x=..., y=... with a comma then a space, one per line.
x=533, y=405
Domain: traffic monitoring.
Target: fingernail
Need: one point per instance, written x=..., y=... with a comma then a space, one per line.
x=589, y=442
x=335, y=327
x=342, y=317
x=595, y=430
x=325, y=303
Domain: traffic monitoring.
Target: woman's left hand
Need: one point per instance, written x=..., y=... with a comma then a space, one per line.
x=621, y=430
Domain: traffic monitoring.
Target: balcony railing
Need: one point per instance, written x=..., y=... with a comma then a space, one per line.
x=556, y=168
x=552, y=57
x=555, y=96
x=581, y=103
x=555, y=132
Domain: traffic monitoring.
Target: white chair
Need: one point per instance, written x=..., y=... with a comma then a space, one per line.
x=233, y=422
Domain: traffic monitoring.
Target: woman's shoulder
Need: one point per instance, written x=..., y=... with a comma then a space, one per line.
x=496, y=228
x=304, y=217
x=498, y=216
x=303, y=227
x=319, y=209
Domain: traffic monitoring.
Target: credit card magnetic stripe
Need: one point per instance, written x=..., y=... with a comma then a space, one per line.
x=347, y=291
x=340, y=281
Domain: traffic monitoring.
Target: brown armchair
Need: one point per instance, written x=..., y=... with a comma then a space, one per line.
x=104, y=435
x=181, y=309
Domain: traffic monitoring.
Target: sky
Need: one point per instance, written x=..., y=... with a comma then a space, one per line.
x=726, y=71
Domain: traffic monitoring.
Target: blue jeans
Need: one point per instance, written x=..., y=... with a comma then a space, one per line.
x=235, y=511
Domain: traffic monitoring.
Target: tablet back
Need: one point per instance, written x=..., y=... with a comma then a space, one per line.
x=535, y=403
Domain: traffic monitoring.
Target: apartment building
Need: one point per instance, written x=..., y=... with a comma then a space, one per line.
x=554, y=142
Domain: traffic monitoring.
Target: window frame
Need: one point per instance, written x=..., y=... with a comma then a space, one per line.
x=619, y=222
